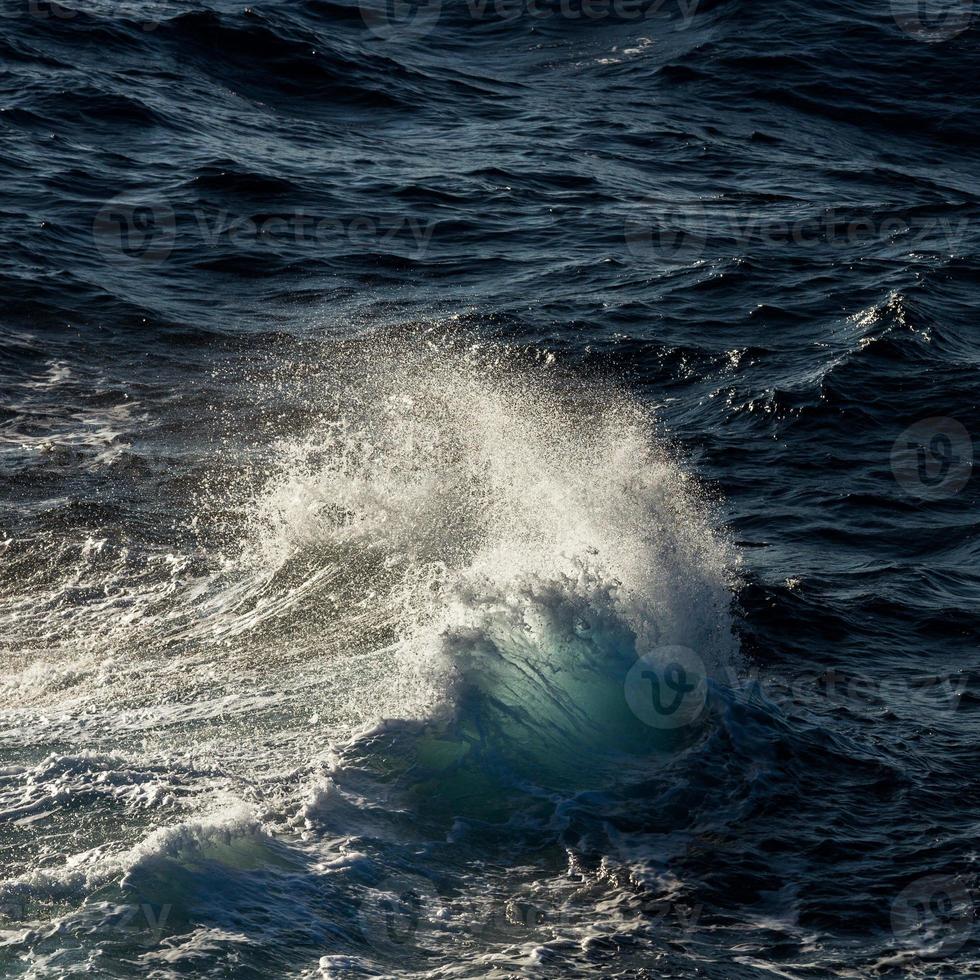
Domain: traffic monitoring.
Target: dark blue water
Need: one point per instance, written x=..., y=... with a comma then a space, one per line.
x=486, y=489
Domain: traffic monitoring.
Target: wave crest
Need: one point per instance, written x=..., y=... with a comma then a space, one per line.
x=511, y=538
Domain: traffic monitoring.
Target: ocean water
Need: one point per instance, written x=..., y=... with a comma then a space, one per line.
x=486, y=489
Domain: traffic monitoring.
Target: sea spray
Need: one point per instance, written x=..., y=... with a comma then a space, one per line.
x=514, y=537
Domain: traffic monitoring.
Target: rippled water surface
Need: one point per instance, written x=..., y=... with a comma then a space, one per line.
x=486, y=489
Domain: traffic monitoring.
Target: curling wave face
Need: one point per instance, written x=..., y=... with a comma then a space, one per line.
x=515, y=542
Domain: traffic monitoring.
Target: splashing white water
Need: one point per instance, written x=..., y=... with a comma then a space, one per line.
x=444, y=496
x=457, y=492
